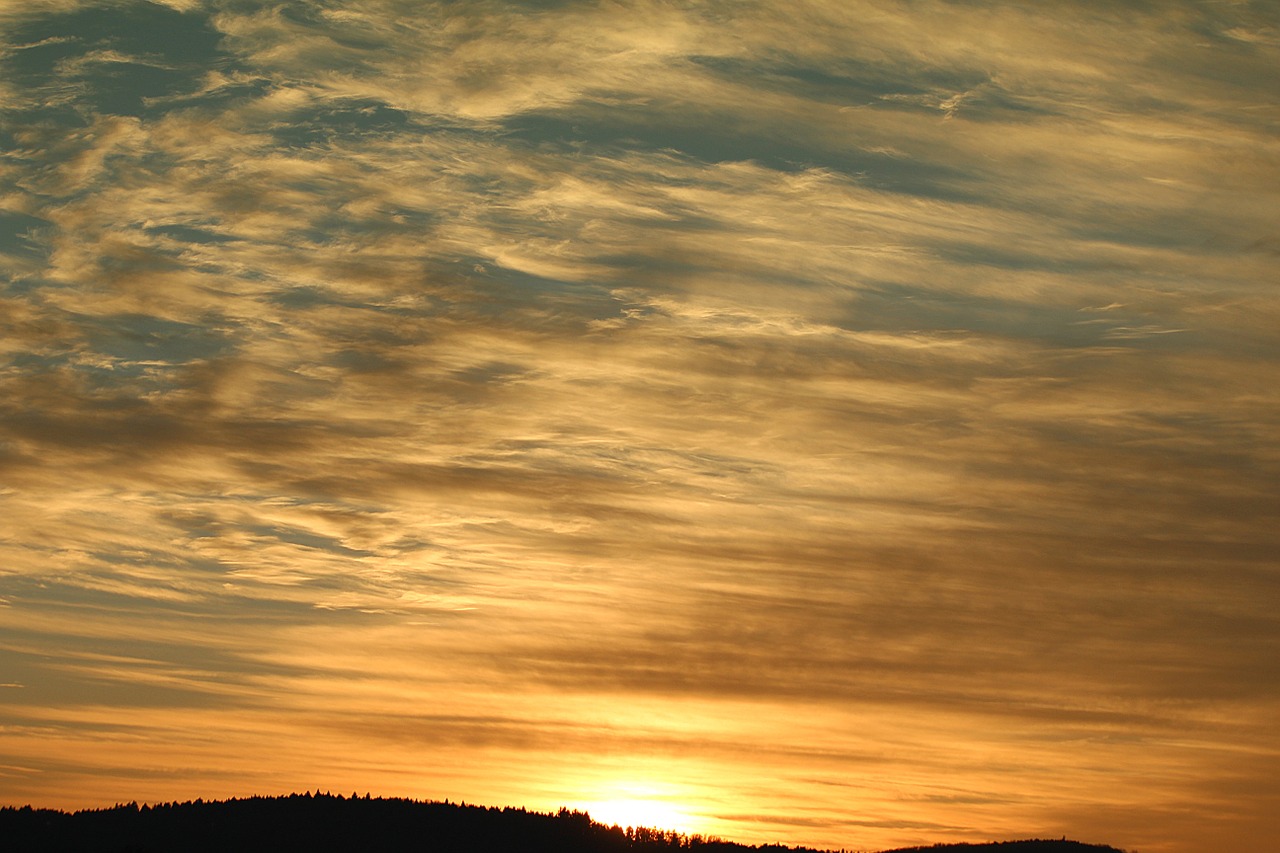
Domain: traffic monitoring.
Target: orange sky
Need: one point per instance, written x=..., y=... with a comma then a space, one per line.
x=835, y=423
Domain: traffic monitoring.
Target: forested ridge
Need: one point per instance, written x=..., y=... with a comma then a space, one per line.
x=328, y=822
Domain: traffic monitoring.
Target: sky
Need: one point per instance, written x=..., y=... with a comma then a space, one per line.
x=839, y=423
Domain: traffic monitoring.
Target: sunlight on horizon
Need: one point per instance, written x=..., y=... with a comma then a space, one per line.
x=638, y=805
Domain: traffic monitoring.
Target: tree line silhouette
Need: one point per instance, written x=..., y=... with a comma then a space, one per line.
x=327, y=822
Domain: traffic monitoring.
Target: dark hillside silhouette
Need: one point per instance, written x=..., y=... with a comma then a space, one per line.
x=325, y=822
x=1028, y=846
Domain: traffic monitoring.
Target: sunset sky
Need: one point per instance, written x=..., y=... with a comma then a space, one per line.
x=851, y=424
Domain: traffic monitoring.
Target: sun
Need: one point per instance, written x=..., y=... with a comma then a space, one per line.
x=654, y=814
x=641, y=805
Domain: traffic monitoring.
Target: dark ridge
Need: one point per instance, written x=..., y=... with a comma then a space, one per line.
x=327, y=822
x=1037, y=845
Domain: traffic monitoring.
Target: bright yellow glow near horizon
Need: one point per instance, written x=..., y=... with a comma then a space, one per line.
x=638, y=805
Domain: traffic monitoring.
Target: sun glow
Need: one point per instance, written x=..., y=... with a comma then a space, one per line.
x=651, y=805
x=651, y=813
